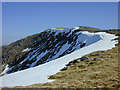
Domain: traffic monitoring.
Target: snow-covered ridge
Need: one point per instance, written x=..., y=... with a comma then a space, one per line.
x=40, y=73
x=55, y=43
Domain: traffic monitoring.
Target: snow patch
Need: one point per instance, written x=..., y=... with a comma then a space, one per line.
x=5, y=70
x=27, y=49
x=76, y=28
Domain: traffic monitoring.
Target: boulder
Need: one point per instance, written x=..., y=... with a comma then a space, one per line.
x=85, y=58
x=63, y=69
x=95, y=54
x=97, y=58
x=78, y=60
x=68, y=64
x=75, y=61
x=91, y=59
x=92, y=63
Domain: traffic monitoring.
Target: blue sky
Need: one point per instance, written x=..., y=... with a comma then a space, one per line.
x=26, y=18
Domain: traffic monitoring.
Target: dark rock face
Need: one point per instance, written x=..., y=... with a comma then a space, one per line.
x=43, y=47
x=82, y=45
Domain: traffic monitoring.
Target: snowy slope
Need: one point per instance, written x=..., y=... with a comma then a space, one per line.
x=53, y=44
x=39, y=74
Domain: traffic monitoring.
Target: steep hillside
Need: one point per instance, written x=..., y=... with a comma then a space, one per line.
x=43, y=47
